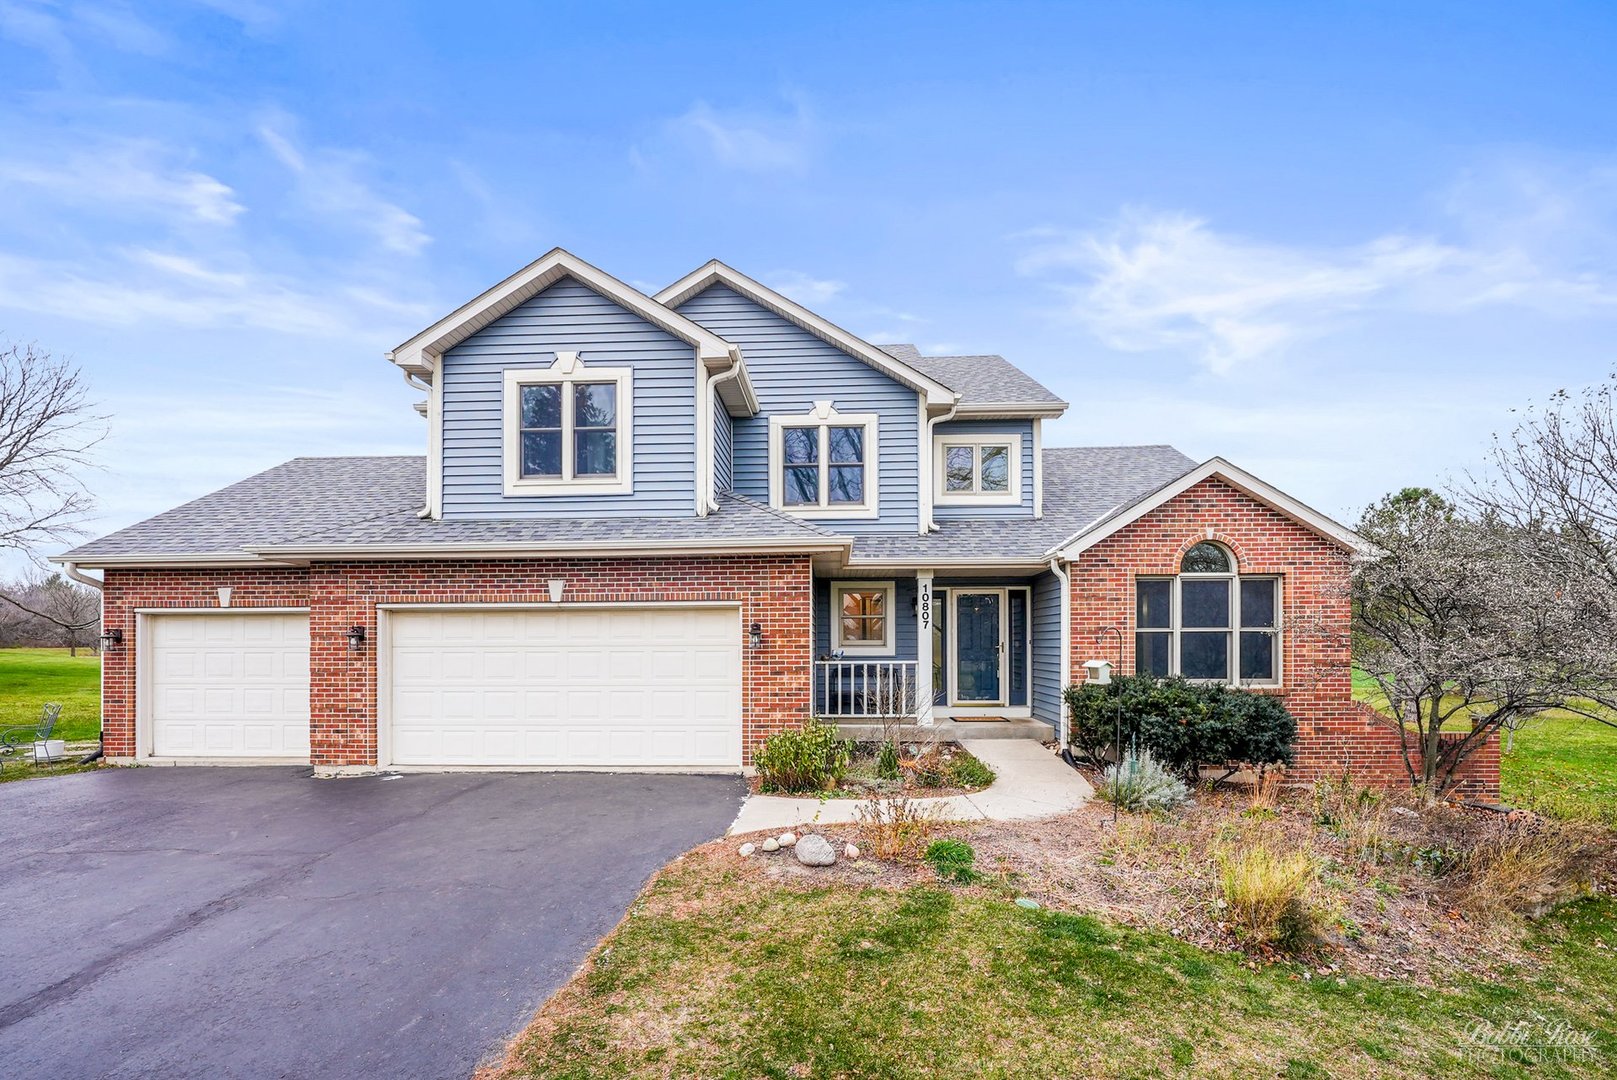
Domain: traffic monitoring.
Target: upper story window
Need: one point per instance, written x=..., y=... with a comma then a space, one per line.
x=567, y=429
x=980, y=470
x=823, y=464
x=1209, y=623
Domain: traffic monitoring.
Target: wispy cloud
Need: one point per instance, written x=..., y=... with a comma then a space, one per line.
x=803, y=288
x=1168, y=280
x=123, y=175
x=329, y=185
x=747, y=140
x=152, y=288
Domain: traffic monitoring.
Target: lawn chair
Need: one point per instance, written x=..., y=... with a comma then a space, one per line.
x=32, y=736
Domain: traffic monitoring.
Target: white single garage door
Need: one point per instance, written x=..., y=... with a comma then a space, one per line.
x=608, y=686
x=229, y=685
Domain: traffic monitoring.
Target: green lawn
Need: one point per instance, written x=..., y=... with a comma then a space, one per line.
x=1562, y=765
x=715, y=973
x=31, y=677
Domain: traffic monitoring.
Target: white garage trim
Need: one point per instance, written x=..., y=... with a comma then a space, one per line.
x=385, y=642
x=145, y=682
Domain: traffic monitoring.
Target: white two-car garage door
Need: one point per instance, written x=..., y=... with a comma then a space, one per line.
x=228, y=685
x=608, y=687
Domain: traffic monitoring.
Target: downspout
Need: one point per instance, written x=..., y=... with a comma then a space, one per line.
x=415, y=382
x=72, y=571
x=731, y=372
x=932, y=481
x=1063, y=577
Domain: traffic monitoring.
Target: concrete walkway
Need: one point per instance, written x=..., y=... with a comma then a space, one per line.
x=1030, y=781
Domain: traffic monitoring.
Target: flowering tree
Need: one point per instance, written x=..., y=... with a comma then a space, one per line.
x=1469, y=623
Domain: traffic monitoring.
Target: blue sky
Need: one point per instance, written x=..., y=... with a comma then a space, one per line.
x=1336, y=244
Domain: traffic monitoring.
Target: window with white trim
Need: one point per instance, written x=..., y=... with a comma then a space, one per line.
x=977, y=470
x=823, y=464
x=862, y=617
x=568, y=429
x=1209, y=623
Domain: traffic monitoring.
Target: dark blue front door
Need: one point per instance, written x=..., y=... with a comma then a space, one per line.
x=977, y=635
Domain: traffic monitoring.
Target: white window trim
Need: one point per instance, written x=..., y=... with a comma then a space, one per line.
x=567, y=370
x=862, y=648
x=1175, y=626
x=823, y=416
x=940, y=481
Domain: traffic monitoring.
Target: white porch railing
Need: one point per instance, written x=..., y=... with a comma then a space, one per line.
x=853, y=689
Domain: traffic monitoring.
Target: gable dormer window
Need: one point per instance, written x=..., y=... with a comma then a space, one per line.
x=977, y=470
x=568, y=429
x=823, y=464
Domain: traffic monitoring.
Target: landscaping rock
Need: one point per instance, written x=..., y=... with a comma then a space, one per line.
x=771, y=844
x=1024, y=902
x=815, y=851
x=746, y=849
x=787, y=839
x=851, y=851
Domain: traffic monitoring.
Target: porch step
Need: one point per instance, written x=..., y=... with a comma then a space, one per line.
x=948, y=729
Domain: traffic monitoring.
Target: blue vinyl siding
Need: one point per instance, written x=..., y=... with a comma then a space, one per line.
x=790, y=369
x=903, y=615
x=1047, y=704
x=568, y=316
x=975, y=428
x=723, y=449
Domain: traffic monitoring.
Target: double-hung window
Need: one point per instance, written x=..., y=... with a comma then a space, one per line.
x=824, y=467
x=567, y=429
x=1209, y=623
x=977, y=470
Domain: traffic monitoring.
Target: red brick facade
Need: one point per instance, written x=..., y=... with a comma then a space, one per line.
x=1336, y=734
x=773, y=591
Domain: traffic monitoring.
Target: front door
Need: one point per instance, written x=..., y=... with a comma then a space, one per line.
x=979, y=648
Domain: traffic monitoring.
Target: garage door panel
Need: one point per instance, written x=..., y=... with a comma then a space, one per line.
x=229, y=685
x=589, y=687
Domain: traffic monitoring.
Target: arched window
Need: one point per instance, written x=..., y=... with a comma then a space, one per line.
x=1209, y=623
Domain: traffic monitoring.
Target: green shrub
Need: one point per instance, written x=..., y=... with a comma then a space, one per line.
x=967, y=771
x=887, y=762
x=1183, y=724
x=811, y=758
x=1139, y=782
x=953, y=860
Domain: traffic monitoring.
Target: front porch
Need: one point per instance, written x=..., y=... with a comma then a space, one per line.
x=979, y=655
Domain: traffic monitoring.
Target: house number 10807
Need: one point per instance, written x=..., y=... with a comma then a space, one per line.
x=926, y=606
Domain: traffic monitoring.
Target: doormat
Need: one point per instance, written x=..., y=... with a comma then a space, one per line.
x=981, y=719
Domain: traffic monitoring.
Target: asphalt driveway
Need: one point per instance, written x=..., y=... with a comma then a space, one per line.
x=236, y=922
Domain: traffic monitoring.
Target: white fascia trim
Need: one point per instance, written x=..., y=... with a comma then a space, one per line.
x=224, y=560
x=1236, y=477
x=823, y=416
x=955, y=565
x=1038, y=468
x=567, y=369
x=942, y=497
x=568, y=549
x=420, y=351
x=1041, y=410
x=715, y=273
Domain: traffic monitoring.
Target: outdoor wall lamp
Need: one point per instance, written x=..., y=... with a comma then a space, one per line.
x=111, y=639
x=755, y=636
x=356, y=638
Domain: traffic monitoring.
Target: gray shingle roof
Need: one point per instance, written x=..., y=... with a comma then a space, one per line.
x=1082, y=485
x=376, y=500
x=979, y=380
x=319, y=503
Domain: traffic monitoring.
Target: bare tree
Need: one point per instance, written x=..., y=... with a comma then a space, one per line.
x=47, y=428
x=1557, y=471
x=49, y=611
x=1470, y=623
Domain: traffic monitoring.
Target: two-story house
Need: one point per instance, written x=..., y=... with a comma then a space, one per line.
x=649, y=531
